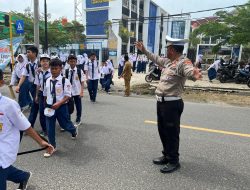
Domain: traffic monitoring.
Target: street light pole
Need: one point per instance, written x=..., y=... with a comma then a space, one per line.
x=46, y=28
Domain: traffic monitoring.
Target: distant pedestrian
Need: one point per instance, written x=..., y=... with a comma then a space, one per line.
x=92, y=72
x=127, y=74
x=212, y=70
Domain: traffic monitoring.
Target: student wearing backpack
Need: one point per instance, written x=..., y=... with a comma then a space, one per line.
x=77, y=78
x=30, y=73
x=24, y=99
x=57, y=92
x=40, y=81
x=92, y=75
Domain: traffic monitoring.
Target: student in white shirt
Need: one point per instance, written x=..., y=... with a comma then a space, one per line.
x=24, y=98
x=40, y=81
x=30, y=72
x=57, y=91
x=12, y=121
x=77, y=78
x=92, y=73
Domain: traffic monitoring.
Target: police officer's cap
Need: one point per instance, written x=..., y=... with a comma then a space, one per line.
x=44, y=56
x=175, y=42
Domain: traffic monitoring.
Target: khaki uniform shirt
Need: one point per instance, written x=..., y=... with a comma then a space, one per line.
x=126, y=74
x=173, y=76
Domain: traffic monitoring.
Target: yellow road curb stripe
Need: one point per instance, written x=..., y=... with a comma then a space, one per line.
x=206, y=129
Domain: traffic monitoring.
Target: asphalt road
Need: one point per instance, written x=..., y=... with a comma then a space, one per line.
x=115, y=148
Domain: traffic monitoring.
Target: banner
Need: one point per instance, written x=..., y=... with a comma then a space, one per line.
x=5, y=55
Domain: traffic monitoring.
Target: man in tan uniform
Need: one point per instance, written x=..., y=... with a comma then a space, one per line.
x=126, y=74
x=176, y=69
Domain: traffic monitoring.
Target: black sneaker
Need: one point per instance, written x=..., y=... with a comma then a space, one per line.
x=169, y=168
x=24, y=185
x=160, y=161
x=73, y=136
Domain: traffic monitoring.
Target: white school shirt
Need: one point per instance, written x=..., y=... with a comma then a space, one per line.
x=39, y=79
x=88, y=67
x=12, y=121
x=60, y=92
x=17, y=72
x=108, y=69
x=30, y=75
x=76, y=84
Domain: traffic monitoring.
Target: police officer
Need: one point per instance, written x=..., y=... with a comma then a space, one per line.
x=176, y=69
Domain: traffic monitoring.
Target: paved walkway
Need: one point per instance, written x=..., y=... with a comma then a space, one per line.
x=140, y=79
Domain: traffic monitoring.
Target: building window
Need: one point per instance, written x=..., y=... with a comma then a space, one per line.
x=178, y=29
x=125, y=3
x=134, y=6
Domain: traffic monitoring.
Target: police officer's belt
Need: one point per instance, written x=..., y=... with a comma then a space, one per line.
x=166, y=98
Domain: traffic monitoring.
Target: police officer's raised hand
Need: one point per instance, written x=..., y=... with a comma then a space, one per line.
x=197, y=73
x=140, y=46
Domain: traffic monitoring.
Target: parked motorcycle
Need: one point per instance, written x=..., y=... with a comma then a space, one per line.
x=241, y=76
x=227, y=72
x=153, y=74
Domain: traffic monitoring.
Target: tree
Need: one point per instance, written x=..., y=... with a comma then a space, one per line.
x=58, y=34
x=231, y=26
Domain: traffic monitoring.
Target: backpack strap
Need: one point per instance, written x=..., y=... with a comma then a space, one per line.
x=67, y=73
x=63, y=83
x=79, y=74
x=28, y=68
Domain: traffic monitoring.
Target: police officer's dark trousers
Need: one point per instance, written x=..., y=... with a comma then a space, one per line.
x=168, y=117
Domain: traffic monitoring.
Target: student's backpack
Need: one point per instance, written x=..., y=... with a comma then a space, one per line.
x=28, y=68
x=70, y=103
x=78, y=73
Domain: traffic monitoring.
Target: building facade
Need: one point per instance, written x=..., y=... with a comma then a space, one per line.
x=139, y=19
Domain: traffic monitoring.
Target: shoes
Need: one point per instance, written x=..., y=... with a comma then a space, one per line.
x=160, y=161
x=24, y=184
x=169, y=168
x=78, y=123
x=43, y=134
x=47, y=154
x=62, y=130
x=73, y=136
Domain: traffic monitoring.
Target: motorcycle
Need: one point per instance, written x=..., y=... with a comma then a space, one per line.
x=227, y=72
x=241, y=76
x=153, y=74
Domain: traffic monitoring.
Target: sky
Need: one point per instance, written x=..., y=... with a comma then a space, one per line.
x=66, y=7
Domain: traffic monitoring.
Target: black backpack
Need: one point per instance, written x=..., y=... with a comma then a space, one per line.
x=78, y=73
x=28, y=68
x=70, y=103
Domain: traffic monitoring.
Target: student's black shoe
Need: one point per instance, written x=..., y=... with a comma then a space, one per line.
x=24, y=184
x=160, y=161
x=169, y=168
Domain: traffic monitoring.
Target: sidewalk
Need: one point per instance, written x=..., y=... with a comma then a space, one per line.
x=139, y=78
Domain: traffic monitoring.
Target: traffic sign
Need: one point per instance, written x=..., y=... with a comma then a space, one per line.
x=19, y=27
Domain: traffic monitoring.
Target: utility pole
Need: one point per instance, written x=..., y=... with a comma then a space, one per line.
x=46, y=28
x=36, y=23
x=78, y=10
x=11, y=43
